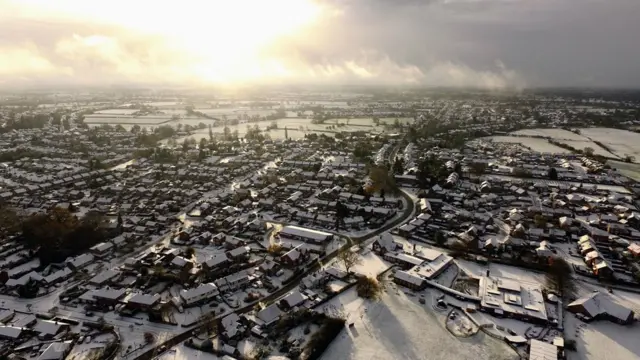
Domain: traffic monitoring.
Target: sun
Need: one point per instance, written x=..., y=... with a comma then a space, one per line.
x=223, y=40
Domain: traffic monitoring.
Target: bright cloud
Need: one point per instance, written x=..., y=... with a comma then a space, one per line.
x=480, y=43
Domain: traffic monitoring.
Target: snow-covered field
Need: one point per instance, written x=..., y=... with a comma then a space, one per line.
x=628, y=169
x=581, y=144
x=371, y=264
x=621, y=142
x=554, y=133
x=117, y=111
x=540, y=145
x=397, y=327
x=602, y=340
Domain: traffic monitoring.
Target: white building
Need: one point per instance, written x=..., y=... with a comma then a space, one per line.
x=202, y=292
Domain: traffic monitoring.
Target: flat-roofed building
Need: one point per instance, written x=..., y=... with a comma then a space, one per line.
x=520, y=299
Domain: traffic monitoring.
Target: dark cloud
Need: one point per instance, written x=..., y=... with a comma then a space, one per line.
x=489, y=43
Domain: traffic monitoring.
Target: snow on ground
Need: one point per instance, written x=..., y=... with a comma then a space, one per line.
x=336, y=285
x=517, y=273
x=553, y=133
x=298, y=333
x=371, y=264
x=627, y=169
x=478, y=270
x=602, y=340
x=471, y=268
x=204, y=253
x=461, y=324
x=192, y=314
x=182, y=352
x=565, y=250
x=540, y=145
x=627, y=299
x=621, y=142
x=277, y=280
x=581, y=144
x=84, y=351
x=347, y=303
x=516, y=326
x=396, y=327
x=334, y=245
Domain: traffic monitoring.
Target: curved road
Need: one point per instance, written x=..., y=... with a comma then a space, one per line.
x=406, y=214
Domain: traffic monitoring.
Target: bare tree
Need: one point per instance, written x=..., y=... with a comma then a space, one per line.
x=349, y=259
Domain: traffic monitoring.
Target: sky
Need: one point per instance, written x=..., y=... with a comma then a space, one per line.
x=492, y=44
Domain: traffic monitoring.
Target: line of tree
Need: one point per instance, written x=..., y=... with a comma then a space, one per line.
x=55, y=235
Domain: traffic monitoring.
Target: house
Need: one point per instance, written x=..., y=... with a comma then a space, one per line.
x=58, y=276
x=239, y=253
x=217, y=261
x=542, y=350
x=143, y=301
x=306, y=235
x=181, y=263
x=404, y=260
x=231, y=326
x=544, y=251
x=202, y=293
x=232, y=242
x=102, y=249
x=11, y=333
x=25, y=322
x=56, y=351
x=104, y=277
x=292, y=300
x=336, y=273
x=406, y=230
x=598, y=306
x=47, y=329
x=269, y=267
x=384, y=243
x=6, y=315
x=80, y=261
x=295, y=256
x=105, y=296
x=24, y=279
x=235, y=280
x=269, y=315
x=411, y=281
x=634, y=249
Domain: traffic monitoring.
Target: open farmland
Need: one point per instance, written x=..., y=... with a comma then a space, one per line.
x=558, y=134
x=297, y=128
x=581, y=144
x=629, y=169
x=621, y=142
x=540, y=145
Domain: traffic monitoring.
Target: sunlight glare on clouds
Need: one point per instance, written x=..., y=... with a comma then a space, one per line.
x=26, y=61
x=223, y=38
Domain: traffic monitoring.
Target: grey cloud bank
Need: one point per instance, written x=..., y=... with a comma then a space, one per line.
x=479, y=43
